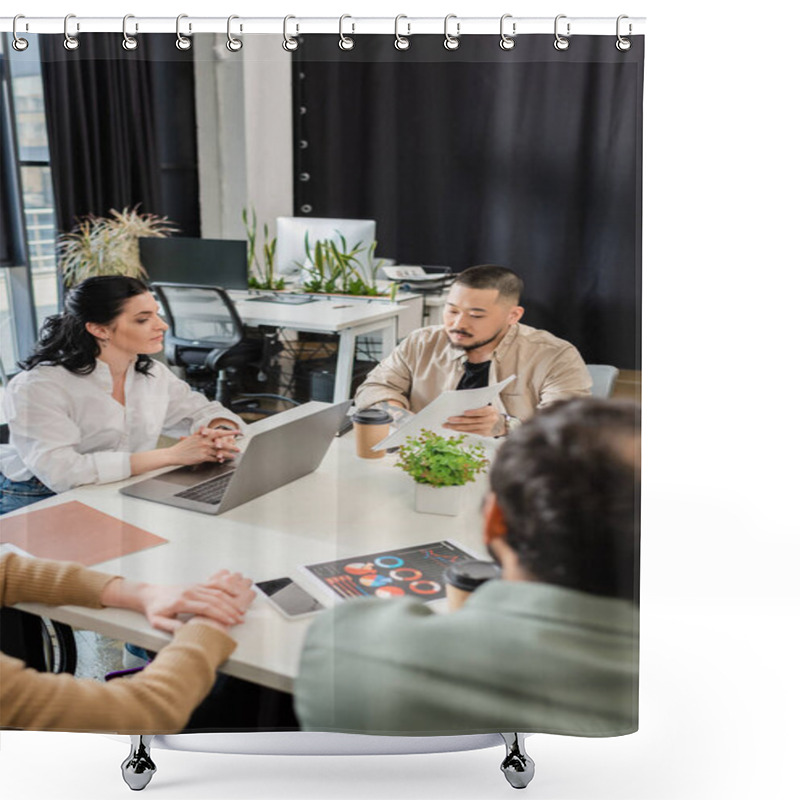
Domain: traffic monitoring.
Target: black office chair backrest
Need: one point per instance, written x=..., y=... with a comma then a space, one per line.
x=201, y=317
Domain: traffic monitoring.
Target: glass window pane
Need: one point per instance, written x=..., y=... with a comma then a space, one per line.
x=23, y=73
x=26, y=80
x=8, y=344
x=40, y=226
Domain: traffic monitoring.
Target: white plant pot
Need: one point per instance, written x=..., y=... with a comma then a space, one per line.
x=445, y=500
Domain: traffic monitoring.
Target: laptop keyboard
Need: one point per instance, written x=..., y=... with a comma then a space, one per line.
x=210, y=492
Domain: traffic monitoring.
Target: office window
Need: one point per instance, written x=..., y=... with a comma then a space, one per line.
x=9, y=244
x=28, y=279
x=37, y=186
x=8, y=345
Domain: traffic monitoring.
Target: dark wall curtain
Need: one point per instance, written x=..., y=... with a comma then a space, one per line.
x=529, y=158
x=6, y=250
x=122, y=128
x=7, y=179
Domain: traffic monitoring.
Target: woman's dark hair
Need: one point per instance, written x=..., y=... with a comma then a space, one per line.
x=568, y=484
x=64, y=340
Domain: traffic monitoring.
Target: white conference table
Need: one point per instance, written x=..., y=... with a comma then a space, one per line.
x=347, y=507
x=346, y=317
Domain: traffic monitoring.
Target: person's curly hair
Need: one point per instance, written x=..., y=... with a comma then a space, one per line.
x=64, y=340
x=568, y=484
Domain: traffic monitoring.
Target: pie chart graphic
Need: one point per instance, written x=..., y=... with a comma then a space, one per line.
x=389, y=562
x=405, y=574
x=374, y=580
x=385, y=592
x=359, y=568
x=425, y=587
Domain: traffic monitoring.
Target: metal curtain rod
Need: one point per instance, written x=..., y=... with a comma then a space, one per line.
x=461, y=26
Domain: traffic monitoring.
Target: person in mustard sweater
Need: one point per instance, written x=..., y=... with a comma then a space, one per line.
x=161, y=698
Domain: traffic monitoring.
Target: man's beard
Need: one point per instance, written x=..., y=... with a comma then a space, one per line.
x=474, y=345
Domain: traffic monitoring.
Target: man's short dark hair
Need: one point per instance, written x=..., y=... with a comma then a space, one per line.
x=568, y=484
x=488, y=276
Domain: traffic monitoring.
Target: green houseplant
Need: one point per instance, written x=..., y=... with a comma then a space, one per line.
x=108, y=245
x=335, y=268
x=441, y=466
x=260, y=277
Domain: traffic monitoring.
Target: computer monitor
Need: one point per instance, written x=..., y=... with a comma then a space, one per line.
x=290, y=250
x=213, y=262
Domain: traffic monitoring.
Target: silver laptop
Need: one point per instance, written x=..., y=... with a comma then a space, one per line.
x=292, y=446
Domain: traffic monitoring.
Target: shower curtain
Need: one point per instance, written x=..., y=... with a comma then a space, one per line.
x=529, y=158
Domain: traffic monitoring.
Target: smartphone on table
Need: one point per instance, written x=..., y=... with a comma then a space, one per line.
x=290, y=599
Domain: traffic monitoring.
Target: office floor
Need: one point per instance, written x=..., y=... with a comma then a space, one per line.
x=97, y=655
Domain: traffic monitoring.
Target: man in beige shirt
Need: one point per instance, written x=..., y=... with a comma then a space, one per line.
x=480, y=343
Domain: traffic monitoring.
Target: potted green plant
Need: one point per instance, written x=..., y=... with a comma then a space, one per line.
x=108, y=245
x=335, y=268
x=260, y=277
x=441, y=466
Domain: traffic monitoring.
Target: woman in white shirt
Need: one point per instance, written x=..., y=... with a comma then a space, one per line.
x=90, y=403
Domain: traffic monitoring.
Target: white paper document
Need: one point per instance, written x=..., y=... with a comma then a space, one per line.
x=7, y=547
x=448, y=404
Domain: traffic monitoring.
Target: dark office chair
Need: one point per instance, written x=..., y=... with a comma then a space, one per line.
x=206, y=337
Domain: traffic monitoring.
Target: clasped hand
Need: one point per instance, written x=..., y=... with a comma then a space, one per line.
x=207, y=444
x=221, y=601
x=484, y=421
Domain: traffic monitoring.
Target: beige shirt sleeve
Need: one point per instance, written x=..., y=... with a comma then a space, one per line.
x=390, y=380
x=160, y=699
x=37, y=580
x=565, y=376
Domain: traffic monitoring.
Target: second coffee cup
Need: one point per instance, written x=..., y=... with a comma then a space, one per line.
x=370, y=426
x=464, y=577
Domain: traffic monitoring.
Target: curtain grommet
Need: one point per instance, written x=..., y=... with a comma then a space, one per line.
x=182, y=42
x=129, y=42
x=451, y=42
x=401, y=42
x=561, y=43
x=623, y=44
x=290, y=43
x=507, y=41
x=233, y=44
x=19, y=44
x=70, y=42
x=346, y=42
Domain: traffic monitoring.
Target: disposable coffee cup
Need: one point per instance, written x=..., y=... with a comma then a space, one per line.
x=371, y=426
x=464, y=577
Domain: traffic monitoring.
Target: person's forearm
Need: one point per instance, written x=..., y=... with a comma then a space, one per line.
x=122, y=593
x=36, y=580
x=152, y=459
x=159, y=699
x=395, y=409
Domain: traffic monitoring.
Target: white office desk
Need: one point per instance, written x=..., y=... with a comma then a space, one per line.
x=345, y=317
x=348, y=507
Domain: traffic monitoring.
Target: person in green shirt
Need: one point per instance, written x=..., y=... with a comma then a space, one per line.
x=551, y=646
